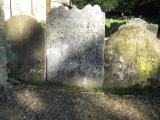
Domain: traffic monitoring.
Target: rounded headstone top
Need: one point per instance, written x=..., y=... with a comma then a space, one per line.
x=135, y=22
x=87, y=11
x=95, y=8
x=20, y=28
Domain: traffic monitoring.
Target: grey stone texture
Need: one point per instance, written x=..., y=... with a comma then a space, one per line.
x=25, y=48
x=141, y=23
x=1, y=2
x=3, y=66
x=3, y=58
x=75, y=46
x=132, y=56
x=153, y=28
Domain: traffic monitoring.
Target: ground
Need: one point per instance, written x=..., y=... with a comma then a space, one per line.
x=58, y=103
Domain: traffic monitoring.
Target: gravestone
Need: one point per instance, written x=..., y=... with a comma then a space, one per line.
x=140, y=22
x=75, y=46
x=58, y=3
x=25, y=48
x=3, y=66
x=3, y=58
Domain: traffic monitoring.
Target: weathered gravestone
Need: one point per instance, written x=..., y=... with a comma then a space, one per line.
x=3, y=66
x=3, y=58
x=140, y=22
x=75, y=46
x=25, y=48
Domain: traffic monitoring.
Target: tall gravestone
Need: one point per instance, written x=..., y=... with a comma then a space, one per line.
x=3, y=58
x=75, y=46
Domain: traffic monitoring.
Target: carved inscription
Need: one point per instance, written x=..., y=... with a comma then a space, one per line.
x=75, y=46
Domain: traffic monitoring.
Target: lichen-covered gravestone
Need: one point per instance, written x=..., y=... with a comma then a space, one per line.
x=132, y=56
x=75, y=46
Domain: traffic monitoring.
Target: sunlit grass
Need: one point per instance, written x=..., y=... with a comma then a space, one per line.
x=108, y=22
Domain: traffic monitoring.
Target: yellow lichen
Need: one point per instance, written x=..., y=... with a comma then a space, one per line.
x=140, y=50
x=144, y=66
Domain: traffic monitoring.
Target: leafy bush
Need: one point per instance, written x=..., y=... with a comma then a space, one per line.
x=108, y=22
x=106, y=5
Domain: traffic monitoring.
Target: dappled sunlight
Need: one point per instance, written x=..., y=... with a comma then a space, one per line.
x=21, y=28
x=31, y=99
x=138, y=47
x=56, y=63
x=75, y=53
x=126, y=108
x=49, y=103
x=25, y=48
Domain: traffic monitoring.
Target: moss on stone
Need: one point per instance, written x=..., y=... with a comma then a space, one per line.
x=133, y=56
x=25, y=48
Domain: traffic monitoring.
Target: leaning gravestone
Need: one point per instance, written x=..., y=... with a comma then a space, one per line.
x=75, y=46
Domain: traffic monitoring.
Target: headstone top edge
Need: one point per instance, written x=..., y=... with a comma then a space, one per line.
x=88, y=7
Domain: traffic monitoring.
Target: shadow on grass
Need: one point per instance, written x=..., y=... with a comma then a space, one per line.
x=136, y=90
x=150, y=90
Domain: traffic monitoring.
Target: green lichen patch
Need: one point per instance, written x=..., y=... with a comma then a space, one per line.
x=132, y=55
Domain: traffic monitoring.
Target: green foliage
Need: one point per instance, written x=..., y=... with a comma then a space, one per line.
x=108, y=22
x=129, y=5
x=43, y=24
x=151, y=89
x=106, y=5
x=79, y=3
x=134, y=90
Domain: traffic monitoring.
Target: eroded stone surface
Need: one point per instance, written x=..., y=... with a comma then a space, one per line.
x=3, y=66
x=132, y=56
x=137, y=22
x=3, y=57
x=75, y=46
x=25, y=48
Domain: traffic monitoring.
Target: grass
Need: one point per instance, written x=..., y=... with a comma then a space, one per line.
x=132, y=90
x=135, y=90
x=108, y=22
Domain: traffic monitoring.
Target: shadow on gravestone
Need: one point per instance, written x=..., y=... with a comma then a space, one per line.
x=112, y=29
x=25, y=48
x=3, y=57
x=75, y=46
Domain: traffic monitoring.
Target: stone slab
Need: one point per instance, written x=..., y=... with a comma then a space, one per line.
x=75, y=46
